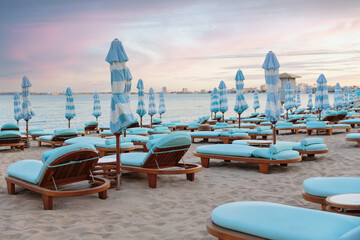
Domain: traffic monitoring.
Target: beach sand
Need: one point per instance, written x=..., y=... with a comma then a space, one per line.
x=177, y=208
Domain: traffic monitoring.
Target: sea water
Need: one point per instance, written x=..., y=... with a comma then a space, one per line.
x=50, y=109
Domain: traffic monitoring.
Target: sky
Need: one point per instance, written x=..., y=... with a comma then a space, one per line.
x=178, y=44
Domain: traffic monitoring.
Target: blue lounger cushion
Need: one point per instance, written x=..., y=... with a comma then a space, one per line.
x=238, y=130
x=134, y=131
x=354, y=120
x=279, y=147
x=353, y=135
x=277, y=221
x=156, y=136
x=12, y=126
x=43, y=133
x=80, y=130
x=255, y=131
x=169, y=124
x=87, y=140
x=205, y=134
x=106, y=133
x=283, y=155
x=176, y=139
x=9, y=134
x=135, y=159
x=139, y=138
x=340, y=125
x=310, y=141
x=327, y=186
x=113, y=146
x=316, y=124
x=65, y=132
x=46, y=137
x=34, y=130
x=156, y=120
x=91, y=123
x=227, y=149
x=312, y=147
x=113, y=141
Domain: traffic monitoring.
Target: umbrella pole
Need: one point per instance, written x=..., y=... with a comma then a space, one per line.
x=118, y=162
x=96, y=118
x=211, y=114
x=287, y=115
x=255, y=110
x=141, y=121
x=319, y=115
x=27, y=133
x=160, y=116
x=150, y=121
x=239, y=119
x=69, y=122
x=215, y=116
x=274, y=133
x=17, y=121
x=223, y=116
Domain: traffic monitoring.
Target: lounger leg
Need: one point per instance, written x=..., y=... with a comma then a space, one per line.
x=264, y=137
x=225, y=141
x=264, y=168
x=103, y=195
x=227, y=161
x=296, y=131
x=309, y=132
x=329, y=131
x=101, y=153
x=311, y=155
x=190, y=176
x=52, y=145
x=348, y=130
x=352, y=125
x=145, y=148
x=48, y=202
x=22, y=147
x=39, y=143
x=152, y=180
x=192, y=140
x=358, y=143
x=253, y=137
x=205, y=162
x=324, y=207
x=33, y=137
x=283, y=164
x=10, y=188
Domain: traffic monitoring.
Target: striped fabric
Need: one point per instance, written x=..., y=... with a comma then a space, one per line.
x=273, y=108
x=27, y=112
x=298, y=100
x=240, y=103
x=141, y=111
x=97, y=107
x=152, y=105
x=162, y=108
x=17, y=107
x=214, y=106
x=120, y=112
x=256, y=104
x=310, y=103
x=338, y=96
x=351, y=97
x=223, y=99
x=293, y=100
x=288, y=104
x=70, y=107
x=321, y=95
x=346, y=96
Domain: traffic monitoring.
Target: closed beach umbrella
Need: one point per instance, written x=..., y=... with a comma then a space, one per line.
x=162, y=108
x=293, y=100
x=256, y=104
x=346, y=96
x=351, y=96
x=27, y=112
x=152, y=105
x=70, y=107
x=273, y=108
x=214, y=106
x=310, y=103
x=120, y=112
x=141, y=111
x=288, y=104
x=321, y=95
x=223, y=99
x=97, y=108
x=240, y=103
x=298, y=99
x=338, y=96
x=17, y=108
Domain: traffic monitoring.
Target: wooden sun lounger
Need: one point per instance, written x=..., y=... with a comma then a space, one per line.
x=315, y=199
x=92, y=128
x=34, y=136
x=65, y=174
x=312, y=153
x=292, y=129
x=328, y=130
x=181, y=128
x=12, y=143
x=57, y=141
x=264, y=136
x=264, y=163
x=353, y=140
x=105, y=151
x=225, y=139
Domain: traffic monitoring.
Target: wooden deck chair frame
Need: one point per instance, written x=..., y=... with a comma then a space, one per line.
x=312, y=153
x=292, y=129
x=56, y=140
x=105, y=151
x=264, y=164
x=12, y=143
x=315, y=199
x=92, y=128
x=353, y=140
x=161, y=161
x=255, y=135
x=83, y=162
x=225, y=139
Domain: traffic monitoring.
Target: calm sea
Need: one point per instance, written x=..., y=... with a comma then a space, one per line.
x=50, y=109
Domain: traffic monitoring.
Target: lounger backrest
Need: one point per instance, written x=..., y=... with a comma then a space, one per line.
x=10, y=127
x=168, y=151
x=70, y=167
x=10, y=137
x=64, y=134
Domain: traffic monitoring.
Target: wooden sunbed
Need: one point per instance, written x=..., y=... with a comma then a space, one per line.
x=56, y=141
x=255, y=135
x=264, y=163
x=92, y=128
x=328, y=130
x=105, y=151
x=66, y=169
x=164, y=162
x=315, y=199
x=292, y=129
x=225, y=139
x=12, y=143
x=353, y=140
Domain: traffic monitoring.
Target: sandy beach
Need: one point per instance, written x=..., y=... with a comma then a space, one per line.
x=176, y=209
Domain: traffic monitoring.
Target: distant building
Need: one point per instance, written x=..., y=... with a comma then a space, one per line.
x=263, y=88
x=203, y=91
x=164, y=89
x=185, y=90
x=285, y=78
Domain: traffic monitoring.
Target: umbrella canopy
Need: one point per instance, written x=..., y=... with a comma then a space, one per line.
x=152, y=105
x=310, y=104
x=346, y=96
x=214, y=105
x=17, y=108
x=97, y=108
x=273, y=107
x=351, y=97
x=27, y=112
x=162, y=108
x=338, y=96
x=223, y=99
x=141, y=111
x=321, y=95
x=256, y=104
x=120, y=112
x=240, y=103
x=298, y=99
x=288, y=104
x=70, y=107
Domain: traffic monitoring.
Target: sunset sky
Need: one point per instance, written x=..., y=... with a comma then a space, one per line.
x=193, y=44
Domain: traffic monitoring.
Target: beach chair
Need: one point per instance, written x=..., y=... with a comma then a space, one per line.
x=353, y=137
x=264, y=220
x=288, y=126
x=10, y=127
x=159, y=130
x=330, y=116
x=91, y=126
x=225, y=136
x=58, y=138
x=58, y=167
x=103, y=128
x=11, y=139
x=353, y=122
x=317, y=189
x=277, y=154
x=163, y=158
x=262, y=131
x=323, y=127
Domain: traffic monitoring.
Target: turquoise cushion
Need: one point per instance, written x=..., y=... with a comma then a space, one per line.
x=256, y=131
x=239, y=135
x=151, y=143
x=87, y=140
x=43, y=133
x=27, y=170
x=80, y=130
x=65, y=132
x=224, y=134
x=169, y=124
x=276, y=221
x=106, y=133
x=9, y=134
x=354, y=120
x=283, y=155
x=138, y=138
x=135, y=131
x=133, y=159
x=316, y=124
x=238, y=130
x=340, y=125
x=12, y=126
x=227, y=150
x=156, y=120
x=352, y=234
x=91, y=123
x=35, y=130
x=353, y=135
x=113, y=146
x=113, y=141
x=284, y=124
x=205, y=134
x=279, y=147
x=46, y=137
x=327, y=186
x=174, y=140
x=181, y=124
x=156, y=136
x=310, y=141
x=312, y=147
x=221, y=124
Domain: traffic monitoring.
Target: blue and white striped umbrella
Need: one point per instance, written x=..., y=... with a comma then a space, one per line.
x=351, y=96
x=120, y=115
x=288, y=104
x=338, y=96
x=346, y=96
x=293, y=100
x=141, y=111
x=310, y=103
x=17, y=108
x=97, y=108
x=240, y=103
x=214, y=105
x=298, y=99
x=321, y=95
x=223, y=99
x=152, y=105
x=70, y=107
x=162, y=108
x=256, y=104
x=273, y=108
x=27, y=112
